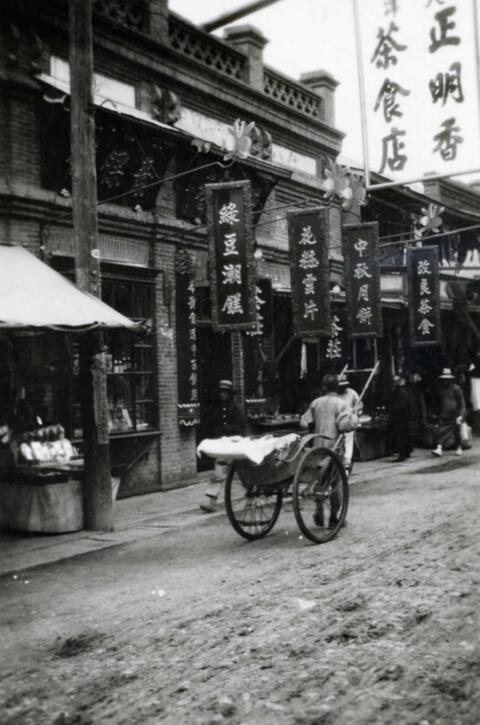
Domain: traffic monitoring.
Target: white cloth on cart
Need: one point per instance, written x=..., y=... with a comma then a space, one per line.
x=237, y=448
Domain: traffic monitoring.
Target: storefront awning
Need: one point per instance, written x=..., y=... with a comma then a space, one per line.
x=32, y=295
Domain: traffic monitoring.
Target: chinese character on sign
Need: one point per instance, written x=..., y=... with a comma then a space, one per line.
x=424, y=288
x=193, y=333
x=334, y=347
x=425, y=326
x=424, y=308
x=308, y=260
x=360, y=246
x=309, y=283
x=448, y=140
x=391, y=7
x=387, y=96
x=230, y=242
x=447, y=85
x=383, y=56
x=363, y=292
x=233, y=304
x=361, y=270
x=364, y=315
x=393, y=159
x=442, y=18
x=423, y=266
x=228, y=214
x=310, y=310
x=307, y=236
x=232, y=274
x=191, y=303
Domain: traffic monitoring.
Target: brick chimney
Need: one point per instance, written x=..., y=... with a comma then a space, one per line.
x=324, y=85
x=158, y=20
x=251, y=41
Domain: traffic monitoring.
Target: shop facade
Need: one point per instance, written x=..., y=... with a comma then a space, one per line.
x=169, y=100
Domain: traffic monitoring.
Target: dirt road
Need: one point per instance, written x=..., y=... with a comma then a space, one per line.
x=198, y=626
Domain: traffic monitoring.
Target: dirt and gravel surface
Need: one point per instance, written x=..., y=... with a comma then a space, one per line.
x=198, y=626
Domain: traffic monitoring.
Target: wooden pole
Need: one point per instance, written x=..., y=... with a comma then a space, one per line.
x=93, y=387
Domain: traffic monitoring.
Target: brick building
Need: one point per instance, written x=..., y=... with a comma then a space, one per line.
x=166, y=97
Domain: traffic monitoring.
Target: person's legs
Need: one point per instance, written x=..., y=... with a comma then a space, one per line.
x=349, y=440
x=215, y=486
x=458, y=440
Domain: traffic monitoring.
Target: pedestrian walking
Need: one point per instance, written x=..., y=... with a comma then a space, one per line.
x=452, y=413
x=398, y=430
x=352, y=398
x=328, y=415
x=223, y=418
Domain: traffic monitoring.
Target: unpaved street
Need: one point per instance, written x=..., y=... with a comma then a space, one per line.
x=198, y=626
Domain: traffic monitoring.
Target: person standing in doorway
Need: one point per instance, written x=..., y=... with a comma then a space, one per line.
x=223, y=418
x=452, y=413
x=399, y=420
x=352, y=398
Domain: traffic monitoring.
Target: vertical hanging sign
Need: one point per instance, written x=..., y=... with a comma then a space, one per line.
x=188, y=406
x=424, y=296
x=336, y=348
x=264, y=305
x=308, y=235
x=362, y=280
x=232, y=275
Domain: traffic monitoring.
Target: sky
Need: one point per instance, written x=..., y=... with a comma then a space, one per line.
x=306, y=35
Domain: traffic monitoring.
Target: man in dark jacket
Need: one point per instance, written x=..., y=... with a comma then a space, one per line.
x=452, y=413
x=223, y=418
x=399, y=420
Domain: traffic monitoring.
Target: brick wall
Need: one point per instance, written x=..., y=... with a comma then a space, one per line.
x=178, y=459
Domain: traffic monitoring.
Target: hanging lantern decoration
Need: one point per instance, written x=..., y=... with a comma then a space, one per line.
x=431, y=221
x=341, y=183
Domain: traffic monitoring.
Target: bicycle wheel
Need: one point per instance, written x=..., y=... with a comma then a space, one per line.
x=320, y=495
x=252, y=510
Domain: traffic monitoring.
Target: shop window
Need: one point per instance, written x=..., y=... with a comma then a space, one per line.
x=130, y=377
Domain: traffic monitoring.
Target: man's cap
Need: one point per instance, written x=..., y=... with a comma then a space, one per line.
x=330, y=382
x=225, y=385
x=446, y=374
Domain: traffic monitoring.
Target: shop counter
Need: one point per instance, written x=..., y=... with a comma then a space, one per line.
x=45, y=498
x=276, y=424
x=371, y=441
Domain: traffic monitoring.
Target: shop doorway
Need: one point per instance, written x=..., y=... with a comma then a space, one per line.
x=214, y=356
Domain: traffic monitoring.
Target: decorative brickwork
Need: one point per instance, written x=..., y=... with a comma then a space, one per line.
x=129, y=13
x=208, y=51
x=292, y=95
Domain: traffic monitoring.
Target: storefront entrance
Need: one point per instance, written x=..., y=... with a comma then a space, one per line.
x=214, y=355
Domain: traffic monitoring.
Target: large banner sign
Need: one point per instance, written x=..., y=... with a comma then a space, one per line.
x=185, y=315
x=232, y=275
x=424, y=296
x=362, y=280
x=419, y=84
x=308, y=234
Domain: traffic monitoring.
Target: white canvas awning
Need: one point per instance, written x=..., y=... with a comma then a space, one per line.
x=33, y=295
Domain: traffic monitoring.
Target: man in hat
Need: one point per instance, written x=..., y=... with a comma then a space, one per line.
x=352, y=398
x=223, y=418
x=452, y=413
x=323, y=415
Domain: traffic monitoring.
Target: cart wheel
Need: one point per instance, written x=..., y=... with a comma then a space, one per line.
x=252, y=511
x=320, y=495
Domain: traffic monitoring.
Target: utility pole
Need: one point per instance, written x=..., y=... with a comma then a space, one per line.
x=93, y=386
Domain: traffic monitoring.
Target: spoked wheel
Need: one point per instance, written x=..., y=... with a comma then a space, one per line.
x=253, y=510
x=320, y=495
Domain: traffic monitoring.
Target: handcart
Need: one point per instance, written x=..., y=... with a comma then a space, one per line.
x=318, y=483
